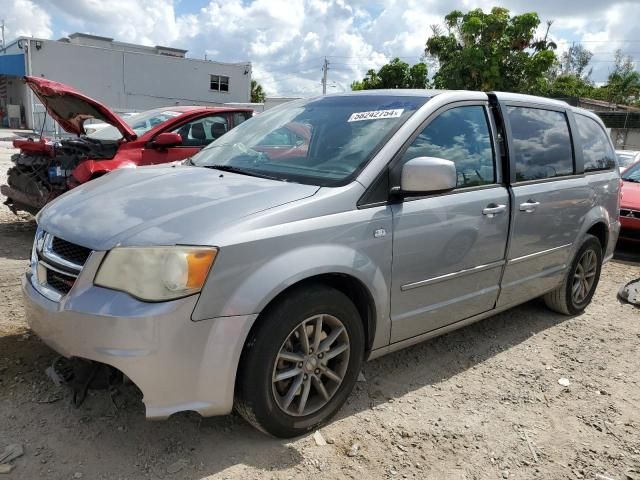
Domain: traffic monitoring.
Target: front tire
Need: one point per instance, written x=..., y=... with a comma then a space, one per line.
x=580, y=282
x=301, y=362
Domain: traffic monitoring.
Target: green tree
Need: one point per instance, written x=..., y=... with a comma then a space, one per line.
x=624, y=80
x=257, y=93
x=570, y=76
x=395, y=74
x=491, y=51
x=575, y=62
x=568, y=86
x=370, y=82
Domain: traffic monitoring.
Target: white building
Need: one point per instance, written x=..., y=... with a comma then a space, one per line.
x=269, y=102
x=123, y=76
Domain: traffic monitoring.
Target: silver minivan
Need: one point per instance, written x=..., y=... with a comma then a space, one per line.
x=262, y=272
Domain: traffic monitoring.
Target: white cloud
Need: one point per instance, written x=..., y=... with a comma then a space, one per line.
x=149, y=22
x=286, y=40
x=23, y=17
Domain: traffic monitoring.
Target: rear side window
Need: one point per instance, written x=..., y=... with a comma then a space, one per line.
x=597, y=151
x=542, y=144
x=203, y=131
x=461, y=135
x=239, y=117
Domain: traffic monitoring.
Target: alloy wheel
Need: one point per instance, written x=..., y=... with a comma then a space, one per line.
x=584, y=276
x=311, y=365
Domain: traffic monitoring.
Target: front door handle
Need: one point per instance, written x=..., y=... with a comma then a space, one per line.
x=529, y=206
x=491, y=209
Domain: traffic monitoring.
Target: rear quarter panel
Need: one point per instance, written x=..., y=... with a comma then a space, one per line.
x=605, y=206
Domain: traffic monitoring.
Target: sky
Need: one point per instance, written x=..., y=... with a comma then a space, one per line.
x=286, y=40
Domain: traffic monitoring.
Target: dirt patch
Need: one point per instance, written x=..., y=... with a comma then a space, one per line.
x=481, y=402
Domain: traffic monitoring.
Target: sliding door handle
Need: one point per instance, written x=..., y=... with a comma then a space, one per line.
x=529, y=206
x=493, y=209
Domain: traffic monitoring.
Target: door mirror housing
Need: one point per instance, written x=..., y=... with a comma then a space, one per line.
x=424, y=175
x=166, y=140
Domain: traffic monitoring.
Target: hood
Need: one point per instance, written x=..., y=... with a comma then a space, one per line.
x=162, y=206
x=71, y=108
x=630, y=195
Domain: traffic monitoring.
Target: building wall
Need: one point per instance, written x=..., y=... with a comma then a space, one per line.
x=271, y=102
x=134, y=81
x=15, y=90
x=626, y=138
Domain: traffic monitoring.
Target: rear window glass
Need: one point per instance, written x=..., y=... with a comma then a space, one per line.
x=240, y=117
x=597, y=151
x=542, y=144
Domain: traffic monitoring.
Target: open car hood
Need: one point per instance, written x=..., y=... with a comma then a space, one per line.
x=71, y=108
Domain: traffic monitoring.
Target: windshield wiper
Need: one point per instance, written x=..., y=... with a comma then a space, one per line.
x=241, y=171
x=631, y=180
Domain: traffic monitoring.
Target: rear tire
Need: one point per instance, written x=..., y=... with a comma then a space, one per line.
x=316, y=384
x=580, y=282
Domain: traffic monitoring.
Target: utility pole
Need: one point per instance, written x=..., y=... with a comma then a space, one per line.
x=325, y=67
x=2, y=27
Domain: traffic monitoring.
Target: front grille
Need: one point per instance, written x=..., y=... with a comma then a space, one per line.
x=58, y=281
x=56, y=264
x=70, y=251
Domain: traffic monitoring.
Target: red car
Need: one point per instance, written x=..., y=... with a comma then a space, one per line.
x=45, y=169
x=290, y=141
x=630, y=203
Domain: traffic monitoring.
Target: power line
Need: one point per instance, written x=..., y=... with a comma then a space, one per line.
x=602, y=41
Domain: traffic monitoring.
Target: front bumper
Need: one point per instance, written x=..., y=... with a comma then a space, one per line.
x=178, y=364
x=630, y=228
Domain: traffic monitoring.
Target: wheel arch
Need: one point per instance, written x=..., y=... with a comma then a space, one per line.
x=596, y=222
x=600, y=230
x=347, y=284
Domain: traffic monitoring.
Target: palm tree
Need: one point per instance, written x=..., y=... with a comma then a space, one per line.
x=257, y=93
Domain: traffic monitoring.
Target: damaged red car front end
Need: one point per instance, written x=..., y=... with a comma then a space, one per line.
x=44, y=169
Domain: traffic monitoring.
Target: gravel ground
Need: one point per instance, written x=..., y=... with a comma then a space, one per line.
x=481, y=402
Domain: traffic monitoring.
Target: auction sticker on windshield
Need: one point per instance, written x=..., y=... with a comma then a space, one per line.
x=375, y=115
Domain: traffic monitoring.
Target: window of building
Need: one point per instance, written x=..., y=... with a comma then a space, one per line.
x=596, y=148
x=219, y=83
x=461, y=135
x=542, y=144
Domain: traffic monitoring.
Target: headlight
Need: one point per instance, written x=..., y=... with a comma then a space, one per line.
x=156, y=273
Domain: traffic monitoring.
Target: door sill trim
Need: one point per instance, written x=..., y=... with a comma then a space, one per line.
x=401, y=344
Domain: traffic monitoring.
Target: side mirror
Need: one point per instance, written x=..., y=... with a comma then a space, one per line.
x=166, y=139
x=423, y=175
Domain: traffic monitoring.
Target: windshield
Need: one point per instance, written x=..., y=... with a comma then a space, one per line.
x=321, y=141
x=141, y=123
x=625, y=159
x=632, y=174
